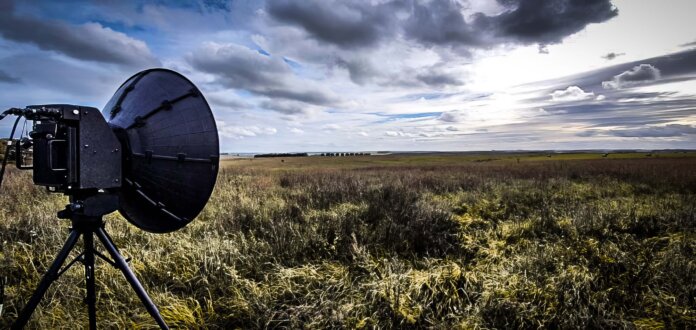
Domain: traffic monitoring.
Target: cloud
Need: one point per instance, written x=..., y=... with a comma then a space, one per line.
x=61, y=78
x=227, y=99
x=296, y=130
x=452, y=128
x=331, y=127
x=440, y=22
x=439, y=79
x=287, y=107
x=544, y=22
x=688, y=44
x=572, y=93
x=239, y=132
x=7, y=78
x=587, y=133
x=662, y=131
x=640, y=74
x=454, y=116
x=236, y=66
x=673, y=67
x=341, y=23
x=89, y=41
x=600, y=97
x=360, y=70
x=363, y=133
x=612, y=55
x=671, y=130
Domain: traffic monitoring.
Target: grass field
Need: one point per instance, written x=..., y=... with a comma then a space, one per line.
x=397, y=241
x=433, y=159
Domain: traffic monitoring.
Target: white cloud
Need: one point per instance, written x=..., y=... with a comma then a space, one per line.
x=638, y=75
x=600, y=97
x=572, y=93
x=296, y=130
x=331, y=127
x=240, y=132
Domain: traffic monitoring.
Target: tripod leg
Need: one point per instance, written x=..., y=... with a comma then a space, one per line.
x=46, y=281
x=91, y=298
x=128, y=273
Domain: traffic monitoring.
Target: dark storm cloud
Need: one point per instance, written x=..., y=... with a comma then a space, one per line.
x=7, y=78
x=90, y=41
x=340, y=23
x=640, y=74
x=545, y=21
x=441, y=22
x=243, y=68
x=612, y=55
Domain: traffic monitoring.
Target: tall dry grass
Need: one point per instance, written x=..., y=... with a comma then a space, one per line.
x=559, y=244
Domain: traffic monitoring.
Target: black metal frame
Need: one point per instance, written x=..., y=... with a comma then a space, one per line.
x=87, y=227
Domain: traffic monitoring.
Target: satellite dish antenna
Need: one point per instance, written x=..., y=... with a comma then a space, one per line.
x=152, y=154
x=170, y=146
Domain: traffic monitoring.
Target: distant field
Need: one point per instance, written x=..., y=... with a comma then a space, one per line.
x=434, y=159
x=445, y=241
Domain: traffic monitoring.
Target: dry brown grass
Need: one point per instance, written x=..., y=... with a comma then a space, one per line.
x=560, y=244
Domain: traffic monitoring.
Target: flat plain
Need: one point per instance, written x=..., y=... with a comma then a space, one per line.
x=490, y=240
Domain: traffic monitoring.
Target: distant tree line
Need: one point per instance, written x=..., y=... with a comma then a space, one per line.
x=343, y=154
x=296, y=154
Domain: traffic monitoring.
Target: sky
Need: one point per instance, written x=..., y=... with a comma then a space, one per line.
x=410, y=75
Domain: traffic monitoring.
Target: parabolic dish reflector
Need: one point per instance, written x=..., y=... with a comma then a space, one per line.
x=171, y=149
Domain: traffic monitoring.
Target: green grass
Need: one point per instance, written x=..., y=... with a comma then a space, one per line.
x=390, y=242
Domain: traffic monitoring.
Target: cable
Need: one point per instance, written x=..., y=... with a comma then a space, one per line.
x=7, y=150
x=12, y=111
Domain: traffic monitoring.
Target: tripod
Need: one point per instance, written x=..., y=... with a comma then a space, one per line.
x=87, y=227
